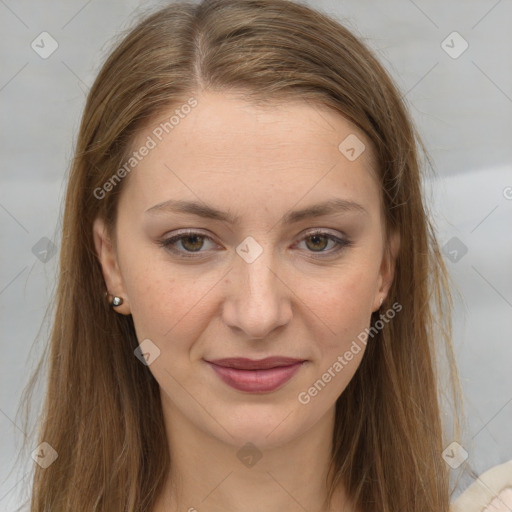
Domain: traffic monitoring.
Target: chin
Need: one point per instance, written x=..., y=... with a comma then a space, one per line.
x=265, y=429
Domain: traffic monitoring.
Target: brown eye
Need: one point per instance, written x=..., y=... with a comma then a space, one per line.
x=189, y=243
x=319, y=242
x=192, y=243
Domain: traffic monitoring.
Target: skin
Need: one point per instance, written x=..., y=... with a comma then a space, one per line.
x=259, y=163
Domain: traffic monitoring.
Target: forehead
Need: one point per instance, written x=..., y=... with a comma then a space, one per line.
x=285, y=148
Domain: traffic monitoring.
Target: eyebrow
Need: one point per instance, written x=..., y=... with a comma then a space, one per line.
x=333, y=206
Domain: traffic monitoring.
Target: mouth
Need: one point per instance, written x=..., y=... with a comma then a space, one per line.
x=256, y=376
x=242, y=363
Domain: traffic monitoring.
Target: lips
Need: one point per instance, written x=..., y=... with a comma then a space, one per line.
x=256, y=376
x=242, y=363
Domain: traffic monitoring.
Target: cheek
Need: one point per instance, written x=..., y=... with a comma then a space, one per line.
x=174, y=303
x=146, y=287
x=166, y=304
x=343, y=304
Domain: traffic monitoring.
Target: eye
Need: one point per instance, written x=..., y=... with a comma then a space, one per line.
x=191, y=242
x=320, y=240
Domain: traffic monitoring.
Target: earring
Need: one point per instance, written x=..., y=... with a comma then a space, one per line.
x=114, y=300
x=381, y=301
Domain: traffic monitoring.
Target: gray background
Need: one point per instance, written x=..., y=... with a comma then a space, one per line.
x=462, y=107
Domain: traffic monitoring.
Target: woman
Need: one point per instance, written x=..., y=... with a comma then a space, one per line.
x=246, y=312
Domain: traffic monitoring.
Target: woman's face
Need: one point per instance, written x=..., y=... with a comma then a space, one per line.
x=273, y=279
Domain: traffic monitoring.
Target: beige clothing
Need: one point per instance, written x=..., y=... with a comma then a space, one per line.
x=491, y=492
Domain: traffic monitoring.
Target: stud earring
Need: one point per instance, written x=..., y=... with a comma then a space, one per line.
x=114, y=300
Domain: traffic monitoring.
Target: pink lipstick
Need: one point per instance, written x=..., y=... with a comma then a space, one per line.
x=256, y=376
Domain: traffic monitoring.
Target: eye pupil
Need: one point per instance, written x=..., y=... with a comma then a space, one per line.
x=317, y=237
x=191, y=244
x=192, y=237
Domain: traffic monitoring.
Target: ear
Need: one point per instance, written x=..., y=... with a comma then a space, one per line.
x=107, y=257
x=387, y=270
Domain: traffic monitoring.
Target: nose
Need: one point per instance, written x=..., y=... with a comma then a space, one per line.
x=257, y=300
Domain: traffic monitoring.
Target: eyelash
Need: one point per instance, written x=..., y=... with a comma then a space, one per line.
x=168, y=242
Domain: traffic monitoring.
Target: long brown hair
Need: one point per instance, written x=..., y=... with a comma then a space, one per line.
x=102, y=411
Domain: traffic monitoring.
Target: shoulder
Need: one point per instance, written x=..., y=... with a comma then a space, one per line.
x=491, y=492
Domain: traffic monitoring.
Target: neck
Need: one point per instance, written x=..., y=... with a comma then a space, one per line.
x=210, y=475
